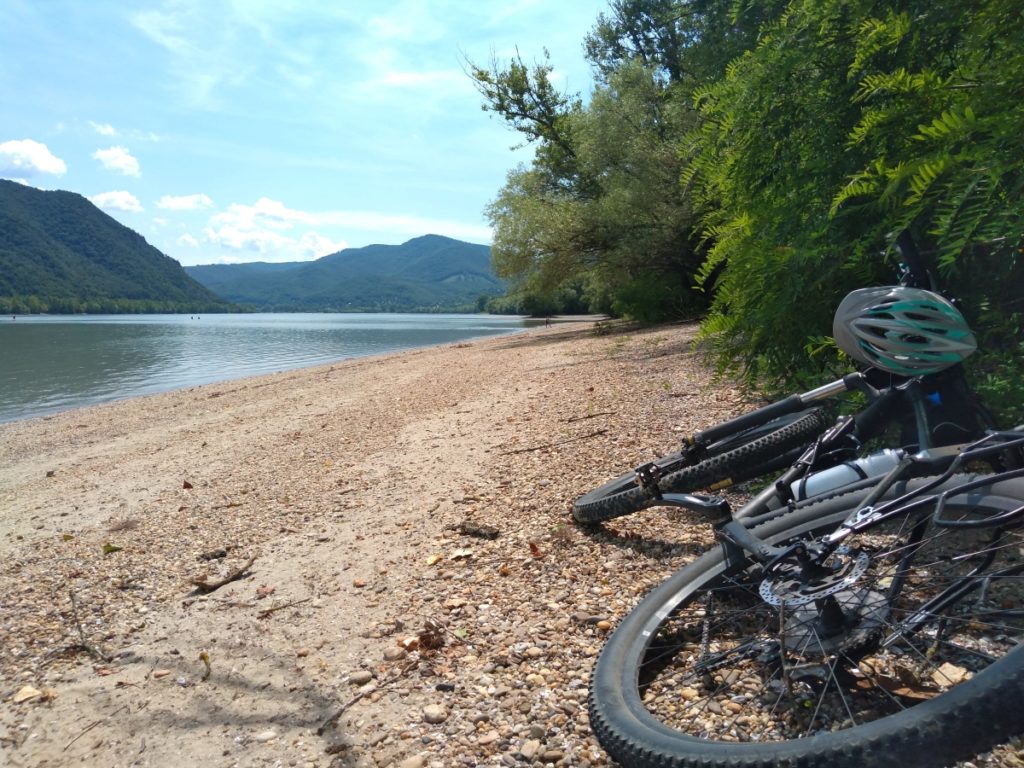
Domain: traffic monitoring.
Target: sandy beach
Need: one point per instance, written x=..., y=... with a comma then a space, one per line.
x=370, y=563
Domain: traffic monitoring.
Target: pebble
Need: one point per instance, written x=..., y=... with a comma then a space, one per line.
x=530, y=749
x=416, y=761
x=265, y=736
x=395, y=653
x=435, y=713
x=489, y=738
x=360, y=677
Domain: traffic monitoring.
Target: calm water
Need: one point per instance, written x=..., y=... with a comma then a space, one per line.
x=52, y=363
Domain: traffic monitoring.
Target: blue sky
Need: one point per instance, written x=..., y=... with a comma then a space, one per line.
x=226, y=131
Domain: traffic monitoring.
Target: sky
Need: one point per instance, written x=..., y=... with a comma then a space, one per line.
x=227, y=131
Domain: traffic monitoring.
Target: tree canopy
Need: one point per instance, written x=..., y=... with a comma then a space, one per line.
x=752, y=161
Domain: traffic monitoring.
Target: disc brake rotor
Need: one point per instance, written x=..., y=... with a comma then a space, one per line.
x=790, y=584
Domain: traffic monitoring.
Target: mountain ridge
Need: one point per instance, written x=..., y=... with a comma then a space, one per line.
x=429, y=272
x=60, y=253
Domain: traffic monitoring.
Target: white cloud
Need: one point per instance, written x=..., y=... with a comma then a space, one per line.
x=184, y=202
x=188, y=240
x=279, y=233
x=118, y=159
x=118, y=200
x=27, y=158
x=103, y=129
x=314, y=245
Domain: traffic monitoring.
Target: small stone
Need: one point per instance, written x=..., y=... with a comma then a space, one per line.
x=488, y=738
x=552, y=756
x=530, y=749
x=395, y=653
x=604, y=625
x=537, y=731
x=360, y=677
x=435, y=713
x=265, y=736
x=536, y=680
x=416, y=761
x=161, y=673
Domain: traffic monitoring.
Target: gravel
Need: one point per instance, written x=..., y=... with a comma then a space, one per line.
x=420, y=595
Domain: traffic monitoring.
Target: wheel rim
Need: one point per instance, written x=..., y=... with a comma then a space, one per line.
x=717, y=667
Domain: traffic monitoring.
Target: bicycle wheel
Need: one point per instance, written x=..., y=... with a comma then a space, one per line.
x=715, y=669
x=744, y=456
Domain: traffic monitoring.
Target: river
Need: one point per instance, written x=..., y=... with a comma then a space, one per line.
x=52, y=363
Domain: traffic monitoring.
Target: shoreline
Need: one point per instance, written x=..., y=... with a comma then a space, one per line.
x=364, y=627
x=87, y=400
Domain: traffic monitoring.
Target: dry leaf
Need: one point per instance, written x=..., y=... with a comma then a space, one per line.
x=434, y=559
x=949, y=675
x=461, y=554
x=186, y=485
x=26, y=693
x=535, y=550
x=409, y=643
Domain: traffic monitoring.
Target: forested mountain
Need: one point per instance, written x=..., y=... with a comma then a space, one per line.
x=60, y=253
x=426, y=273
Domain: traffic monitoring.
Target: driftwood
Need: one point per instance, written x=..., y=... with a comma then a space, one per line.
x=203, y=585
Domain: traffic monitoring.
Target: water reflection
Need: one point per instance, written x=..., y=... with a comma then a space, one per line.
x=52, y=363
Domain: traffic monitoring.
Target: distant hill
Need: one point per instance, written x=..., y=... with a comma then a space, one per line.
x=60, y=253
x=426, y=273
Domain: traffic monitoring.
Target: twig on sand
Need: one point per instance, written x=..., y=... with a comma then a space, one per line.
x=84, y=644
x=571, y=419
x=92, y=725
x=362, y=694
x=560, y=442
x=203, y=585
x=265, y=613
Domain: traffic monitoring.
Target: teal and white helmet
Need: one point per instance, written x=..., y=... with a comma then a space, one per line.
x=902, y=330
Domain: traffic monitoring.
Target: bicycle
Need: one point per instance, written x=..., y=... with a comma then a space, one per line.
x=930, y=399
x=841, y=620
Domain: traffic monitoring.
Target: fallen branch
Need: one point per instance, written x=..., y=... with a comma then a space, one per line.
x=362, y=694
x=553, y=445
x=265, y=613
x=202, y=585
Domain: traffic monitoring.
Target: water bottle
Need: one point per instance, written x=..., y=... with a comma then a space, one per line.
x=875, y=465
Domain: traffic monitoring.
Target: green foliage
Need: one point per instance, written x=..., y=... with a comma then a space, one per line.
x=846, y=124
x=769, y=153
